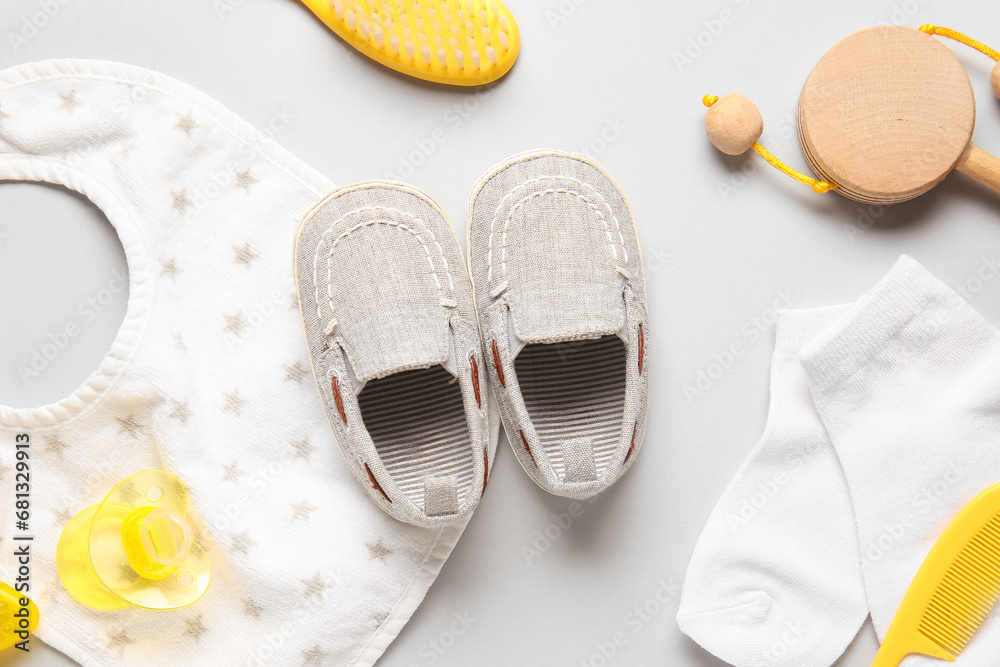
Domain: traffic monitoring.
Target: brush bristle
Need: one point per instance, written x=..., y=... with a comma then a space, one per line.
x=469, y=36
x=967, y=593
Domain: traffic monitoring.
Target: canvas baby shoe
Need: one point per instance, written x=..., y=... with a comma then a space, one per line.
x=561, y=297
x=391, y=327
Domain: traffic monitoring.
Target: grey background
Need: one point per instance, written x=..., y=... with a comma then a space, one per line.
x=720, y=247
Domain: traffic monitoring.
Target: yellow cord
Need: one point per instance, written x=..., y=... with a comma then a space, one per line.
x=932, y=29
x=817, y=185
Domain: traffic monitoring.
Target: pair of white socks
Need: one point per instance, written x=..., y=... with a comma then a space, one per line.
x=884, y=422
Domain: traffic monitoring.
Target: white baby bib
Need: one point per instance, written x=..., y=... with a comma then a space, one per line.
x=209, y=379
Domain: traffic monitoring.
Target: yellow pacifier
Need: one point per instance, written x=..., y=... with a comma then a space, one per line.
x=135, y=548
x=18, y=616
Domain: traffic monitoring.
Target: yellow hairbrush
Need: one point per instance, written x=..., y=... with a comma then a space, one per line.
x=954, y=590
x=457, y=42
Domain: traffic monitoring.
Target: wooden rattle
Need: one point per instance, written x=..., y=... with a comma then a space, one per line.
x=884, y=116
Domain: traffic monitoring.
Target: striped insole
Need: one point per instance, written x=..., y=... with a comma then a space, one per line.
x=417, y=421
x=575, y=390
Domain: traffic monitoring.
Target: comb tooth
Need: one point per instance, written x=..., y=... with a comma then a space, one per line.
x=475, y=60
x=502, y=22
x=491, y=53
x=352, y=20
x=364, y=25
x=460, y=59
x=394, y=44
x=469, y=27
x=442, y=57
x=379, y=36
x=411, y=49
x=946, y=630
x=486, y=33
x=494, y=9
x=502, y=38
x=967, y=593
x=338, y=9
x=425, y=53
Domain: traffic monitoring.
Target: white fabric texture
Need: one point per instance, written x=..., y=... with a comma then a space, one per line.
x=908, y=386
x=775, y=578
x=208, y=378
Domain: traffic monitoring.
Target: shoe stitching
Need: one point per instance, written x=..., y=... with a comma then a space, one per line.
x=621, y=238
x=368, y=209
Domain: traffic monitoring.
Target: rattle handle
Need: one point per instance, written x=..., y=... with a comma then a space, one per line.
x=982, y=166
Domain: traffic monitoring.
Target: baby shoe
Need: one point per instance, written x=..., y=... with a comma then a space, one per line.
x=391, y=326
x=560, y=290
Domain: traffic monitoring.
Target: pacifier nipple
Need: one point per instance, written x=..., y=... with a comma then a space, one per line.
x=136, y=548
x=155, y=540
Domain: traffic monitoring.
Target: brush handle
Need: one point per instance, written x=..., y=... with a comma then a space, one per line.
x=902, y=641
x=982, y=166
x=890, y=655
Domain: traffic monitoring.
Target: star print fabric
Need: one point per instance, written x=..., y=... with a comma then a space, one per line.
x=209, y=379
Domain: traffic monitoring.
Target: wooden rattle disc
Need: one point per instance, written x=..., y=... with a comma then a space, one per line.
x=887, y=113
x=734, y=124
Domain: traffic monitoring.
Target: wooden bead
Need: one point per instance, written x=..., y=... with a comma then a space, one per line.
x=733, y=124
x=995, y=80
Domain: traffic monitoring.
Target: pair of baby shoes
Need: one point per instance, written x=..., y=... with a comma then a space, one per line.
x=406, y=343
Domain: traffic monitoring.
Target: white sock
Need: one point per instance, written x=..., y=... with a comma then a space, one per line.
x=775, y=578
x=908, y=386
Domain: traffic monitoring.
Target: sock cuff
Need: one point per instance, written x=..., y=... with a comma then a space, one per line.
x=907, y=293
x=797, y=328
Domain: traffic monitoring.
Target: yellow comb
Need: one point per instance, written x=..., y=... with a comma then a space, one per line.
x=954, y=590
x=457, y=42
